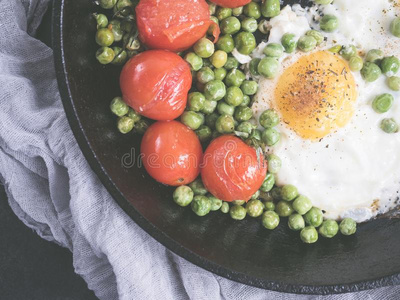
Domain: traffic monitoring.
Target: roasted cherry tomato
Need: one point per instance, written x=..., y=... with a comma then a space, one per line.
x=231, y=3
x=171, y=153
x=155, y=83
x=231, y=169
x=173, y=25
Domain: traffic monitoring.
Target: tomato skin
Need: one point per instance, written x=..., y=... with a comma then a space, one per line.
x=171, y=153
x=173, y=25
x=230, y=169
x=155, y=83
x=231, y=3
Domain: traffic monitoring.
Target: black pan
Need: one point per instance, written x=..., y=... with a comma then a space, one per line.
x=239, y=250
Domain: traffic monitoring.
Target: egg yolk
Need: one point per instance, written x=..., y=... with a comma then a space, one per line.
x=316, y=95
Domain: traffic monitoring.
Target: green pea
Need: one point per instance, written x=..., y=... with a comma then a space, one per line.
x=314, y=217
x=225, y=124
x=268, y=183
x=201, y=205
x=120, y=56
x=370, y=72
x=269, y=206
x=204, y=48
x=211, y=119
x=249, y=25
x=223, y=13
x=270, y=220
x=395, y=27
x=215, y=202
x=356, y=63
x=273, y=50
x=253, y=66
x=318, y=36
x=198, y=187
x=127, y=25
x=335, y=49
x=284, y=209
x=237, y=11
x=225, y=207
x=134, y=115
x=125, y=124
x=268, y=67
x=115, y=27
x=225, y=109
x=212, y=7
x=271, y=8
x=329, y=229
x=306, y=43
x=389, y=126
x=220, y=74
x=390, y=65
x=238, y=202
x=104, y=37
x=183, y=195
x=226, y=43
x=302, y=204
x=382, y=103
x=267, y=197
x=141, y=126
x=289, y=42
x=276, y=193
x=209, y=107
x=329, y=23
x=246, y=100
x=237, y=212
x=207, y=63
x=121, y=4
x=219, y=58
x=274, y=163
x=254, y=208
x=215, y=90
x=196, y=101
x=234, y=96
x=204, y=133
x=255, y=195
x=245, y=127
x=195, y=61
x=102, y=20
x=374, y=56
x=119, y=107
x=263, y=26
x=131, y=42
x=235, y=77
x=269, y=118
x=348, y=226
x=105, y=55
x=296, y=222
x=323, y=2
x=252, y=10
x=309, y=235
x=245, y=42
x=231, y=63
x=348, y=51
x=230, y=25
x=192, y=119
x=205, y=75
x=243, y=113
x=289, y=192
x=270, y=137
x=394, y=83
x=255, y=134
x=107, y=4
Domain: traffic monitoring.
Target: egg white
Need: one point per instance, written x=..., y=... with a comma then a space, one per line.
x=354, y=171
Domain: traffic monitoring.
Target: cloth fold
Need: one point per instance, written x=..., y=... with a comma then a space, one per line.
x=51, y=188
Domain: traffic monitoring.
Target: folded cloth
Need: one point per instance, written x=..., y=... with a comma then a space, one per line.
x=51, y=188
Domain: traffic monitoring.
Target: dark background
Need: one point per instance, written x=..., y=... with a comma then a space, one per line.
x=30, y=267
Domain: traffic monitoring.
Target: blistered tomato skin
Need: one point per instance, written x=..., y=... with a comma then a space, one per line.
x=172, y=25
x=155, y=83
x=231, y=170
x=171, y=153
x=231, y=3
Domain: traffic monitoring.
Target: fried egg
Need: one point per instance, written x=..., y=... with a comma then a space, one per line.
x=332, y=147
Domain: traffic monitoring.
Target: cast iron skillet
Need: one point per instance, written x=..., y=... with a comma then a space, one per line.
x=242, y=251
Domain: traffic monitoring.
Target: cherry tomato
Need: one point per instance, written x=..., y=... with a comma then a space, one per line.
x=231, y=3
x=231, y=170
x=173, y=25
x=171, y=153
x=155, y=83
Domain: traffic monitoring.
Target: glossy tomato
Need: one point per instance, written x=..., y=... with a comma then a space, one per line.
x=231, y=169
x=231, y=3
x=173, y=25
x=155, y=83
x=171, y=153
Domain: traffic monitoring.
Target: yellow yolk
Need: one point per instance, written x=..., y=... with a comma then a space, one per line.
x=316, y=95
